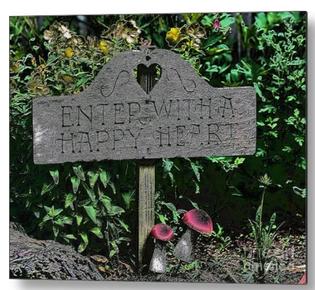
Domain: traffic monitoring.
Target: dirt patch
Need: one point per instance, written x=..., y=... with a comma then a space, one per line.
x=221, y=263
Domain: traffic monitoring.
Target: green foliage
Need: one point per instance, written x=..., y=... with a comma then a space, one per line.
x=75, y=205
x=87, y=213
x=92, y=206
x=263, y=234
x=223, y=240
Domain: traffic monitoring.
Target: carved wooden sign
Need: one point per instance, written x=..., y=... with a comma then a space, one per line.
x=114, y=118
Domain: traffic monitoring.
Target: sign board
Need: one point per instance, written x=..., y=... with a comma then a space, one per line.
x=114, y=118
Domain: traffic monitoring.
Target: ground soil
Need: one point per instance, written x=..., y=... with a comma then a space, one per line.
x=218, y=262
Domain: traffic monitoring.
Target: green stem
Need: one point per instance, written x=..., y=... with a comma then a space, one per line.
x=261, y=262
x=261, y=211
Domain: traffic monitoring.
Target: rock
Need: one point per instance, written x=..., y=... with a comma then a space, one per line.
x=45, y=259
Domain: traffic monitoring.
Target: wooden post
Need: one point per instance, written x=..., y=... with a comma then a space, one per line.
x=146, y=77
x=146, y=192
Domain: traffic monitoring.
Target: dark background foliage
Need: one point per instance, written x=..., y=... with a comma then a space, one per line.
x=93, y=205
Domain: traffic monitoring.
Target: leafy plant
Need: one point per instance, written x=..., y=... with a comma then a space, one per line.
x=223, y=240
x=88, y=212
x=263, y=234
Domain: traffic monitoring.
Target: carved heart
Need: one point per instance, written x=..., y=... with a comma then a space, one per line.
x=148, y=76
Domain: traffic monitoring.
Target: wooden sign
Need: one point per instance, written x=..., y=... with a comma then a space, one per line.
x=171, y=113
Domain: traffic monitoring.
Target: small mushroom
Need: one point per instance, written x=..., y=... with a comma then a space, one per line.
x=161, y=233
x=197, y=221
x=303, y=279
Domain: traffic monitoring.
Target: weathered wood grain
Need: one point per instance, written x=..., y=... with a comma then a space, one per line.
x=114, y=118
x=146, y=195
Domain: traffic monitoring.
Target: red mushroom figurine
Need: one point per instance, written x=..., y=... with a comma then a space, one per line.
x=161, y=234
x=197, y=221
x=303, y=279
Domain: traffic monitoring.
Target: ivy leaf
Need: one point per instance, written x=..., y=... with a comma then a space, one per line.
x=89, y=191
x=70, y=237
x=116, y=210
x=167, y=168
x=69, y=201
x=112, y=186
x=97, y=231
x=75, y=184
x=104, y=177
x=52, y=212
x=56, y=231
x=91, y=212
x=79, y=172
x=173, y=209
x=67, y=220
x=92, y=178
x=84, y=243
x=55, y=175
x=59, y=222
x=112, y=253
x=115, y=248
x=78, y=219
x=107, y=202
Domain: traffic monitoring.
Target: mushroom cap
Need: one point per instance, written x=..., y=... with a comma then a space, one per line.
x=198, y=220
x=303, y=280
x=162, y=232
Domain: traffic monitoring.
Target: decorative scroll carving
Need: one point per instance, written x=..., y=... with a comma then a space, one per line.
x=107, y=89
x=189, y=88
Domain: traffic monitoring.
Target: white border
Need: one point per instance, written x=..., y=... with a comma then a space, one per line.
x=77, y=7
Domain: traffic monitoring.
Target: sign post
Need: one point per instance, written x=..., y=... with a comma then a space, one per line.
x=145, y=105
x=146, y=193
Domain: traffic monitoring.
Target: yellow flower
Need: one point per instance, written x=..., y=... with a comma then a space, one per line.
x=69, y=52
x=67, y=79
x=173, y=35
x=14, y=68
x=103, y=46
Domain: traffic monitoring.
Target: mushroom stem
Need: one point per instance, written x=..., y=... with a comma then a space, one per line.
x=158, y=260
x=184, y=249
